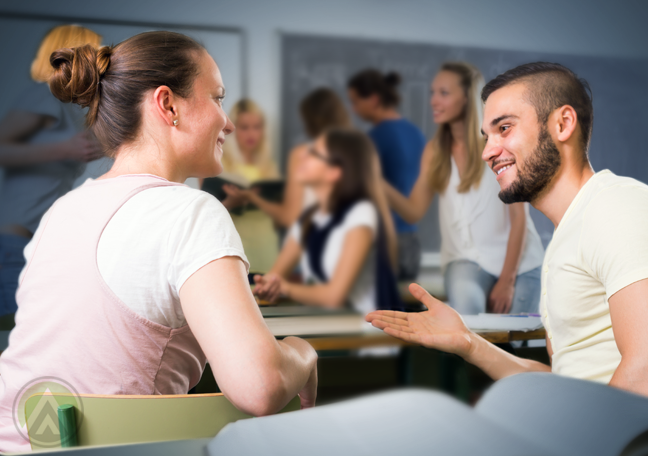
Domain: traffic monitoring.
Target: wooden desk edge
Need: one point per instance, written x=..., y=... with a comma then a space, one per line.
x=354, y=342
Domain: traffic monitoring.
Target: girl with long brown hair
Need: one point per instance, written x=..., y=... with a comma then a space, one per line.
x=320, y=110
x=491, y=254
x=345, y=243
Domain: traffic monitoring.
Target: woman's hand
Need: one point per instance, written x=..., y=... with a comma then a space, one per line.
x=440, y=327
x=235, y=196
x=308, y=394
x=269, y=287
x=501, y=296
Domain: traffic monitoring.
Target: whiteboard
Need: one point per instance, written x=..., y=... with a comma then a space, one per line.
x=22, y=36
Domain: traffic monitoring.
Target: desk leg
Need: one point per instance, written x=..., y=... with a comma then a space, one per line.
x=405, y=366
x=454, y=376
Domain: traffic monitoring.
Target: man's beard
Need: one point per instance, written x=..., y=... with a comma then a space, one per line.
x=540, y=167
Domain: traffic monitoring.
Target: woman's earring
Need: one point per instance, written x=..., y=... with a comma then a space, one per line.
x=175, y=123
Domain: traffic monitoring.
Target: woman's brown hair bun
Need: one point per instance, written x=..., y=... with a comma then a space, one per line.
x=76, y=76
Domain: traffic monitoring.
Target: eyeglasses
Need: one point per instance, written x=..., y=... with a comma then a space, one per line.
x=317, y=154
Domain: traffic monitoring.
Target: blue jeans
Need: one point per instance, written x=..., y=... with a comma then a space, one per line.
x=467, y=287
x=12, y=262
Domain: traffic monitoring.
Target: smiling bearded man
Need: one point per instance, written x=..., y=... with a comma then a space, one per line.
x=537, y=126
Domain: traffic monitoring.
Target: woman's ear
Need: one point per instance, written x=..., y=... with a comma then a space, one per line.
x=165, y=106
x=334, y=173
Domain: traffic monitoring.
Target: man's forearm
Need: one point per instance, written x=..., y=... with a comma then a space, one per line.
x=497, y=363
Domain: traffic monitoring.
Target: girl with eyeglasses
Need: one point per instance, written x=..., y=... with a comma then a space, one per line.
x=345, y=243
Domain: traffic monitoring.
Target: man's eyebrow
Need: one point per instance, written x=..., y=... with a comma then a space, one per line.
x=500, y=118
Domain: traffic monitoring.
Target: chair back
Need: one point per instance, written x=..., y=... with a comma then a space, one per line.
x=112, y=420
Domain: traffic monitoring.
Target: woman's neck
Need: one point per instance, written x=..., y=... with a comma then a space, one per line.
x=323, y=195
x=248, y=156
x=134, y=160
x=458, y=132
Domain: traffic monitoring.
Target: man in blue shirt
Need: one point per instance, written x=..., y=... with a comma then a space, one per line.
x=399, y=143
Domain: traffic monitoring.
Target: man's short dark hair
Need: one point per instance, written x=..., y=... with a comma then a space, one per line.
x=550, y=86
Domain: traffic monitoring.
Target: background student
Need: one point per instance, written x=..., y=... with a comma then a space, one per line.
x=248, y=156
x=491, y=253
x=344, y=241
x=134, y=280
x=399, y=143
x=43, y=149
x=320, y=110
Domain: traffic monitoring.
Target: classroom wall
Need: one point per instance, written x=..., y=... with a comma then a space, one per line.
x=589, y=27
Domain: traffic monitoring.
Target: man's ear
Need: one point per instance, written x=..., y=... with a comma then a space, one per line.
x=165, y=105
x=565, y=123
x=376, y=102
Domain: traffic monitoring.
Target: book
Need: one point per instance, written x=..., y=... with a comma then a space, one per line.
x=502, y=322
x=269, y=189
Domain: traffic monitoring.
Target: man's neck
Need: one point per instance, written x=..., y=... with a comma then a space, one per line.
x=383, y=114
x=565, y=185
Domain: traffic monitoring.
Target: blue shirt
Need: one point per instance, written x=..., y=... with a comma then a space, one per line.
x=400, y=145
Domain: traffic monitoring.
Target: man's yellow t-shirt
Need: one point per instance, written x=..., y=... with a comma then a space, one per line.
x=599, y=247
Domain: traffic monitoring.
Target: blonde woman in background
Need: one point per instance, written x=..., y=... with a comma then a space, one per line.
x=43, y=149
x=320, y=110
x=491, y=254
x=248, y=157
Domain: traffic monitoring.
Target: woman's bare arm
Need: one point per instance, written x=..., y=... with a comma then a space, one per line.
x=501, y=296
x=385, y=214
x=18, y=126
x=412, y=208
x=286, y=212
x=268, y=286
x=257, y=373
x=334, y=293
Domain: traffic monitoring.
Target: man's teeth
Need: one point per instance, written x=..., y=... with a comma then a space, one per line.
x=501, y=170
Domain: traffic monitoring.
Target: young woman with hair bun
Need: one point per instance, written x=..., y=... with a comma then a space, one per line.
x=374, y=97
x=134, y=280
